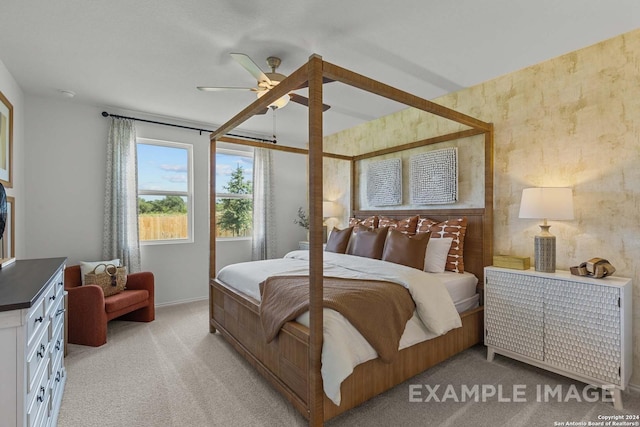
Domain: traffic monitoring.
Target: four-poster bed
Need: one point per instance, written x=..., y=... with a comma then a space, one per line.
x=292, y=363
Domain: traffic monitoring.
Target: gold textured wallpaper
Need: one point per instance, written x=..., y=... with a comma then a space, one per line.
x=571, y=121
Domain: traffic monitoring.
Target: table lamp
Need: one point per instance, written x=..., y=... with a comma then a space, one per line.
x=329, y=210
x=546, y=203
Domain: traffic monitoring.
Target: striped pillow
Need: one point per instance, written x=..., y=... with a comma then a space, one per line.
x=405, y=226
x=454, y=228
x=371, y=222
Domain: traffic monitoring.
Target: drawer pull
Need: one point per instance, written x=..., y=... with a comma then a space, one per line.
x=58, y=376
x=40, y=397
x=60, y=283
x=39, y=319
x=59, y=312
x=58, y=345
x=52, y=298
x=41, y=352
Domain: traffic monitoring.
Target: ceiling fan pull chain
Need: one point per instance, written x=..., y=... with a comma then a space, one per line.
x=274, y=125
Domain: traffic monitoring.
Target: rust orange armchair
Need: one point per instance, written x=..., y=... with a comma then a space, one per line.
x=89, y=310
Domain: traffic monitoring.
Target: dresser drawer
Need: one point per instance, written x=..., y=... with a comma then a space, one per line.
x=49, y=297
x=39, y=400
x=57, y=373
x=37, y=361
x=57, y=315
x=58, y=282
x=56, y=347
x=36, y=320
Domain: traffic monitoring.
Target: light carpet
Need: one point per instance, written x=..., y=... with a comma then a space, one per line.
x=173, y=372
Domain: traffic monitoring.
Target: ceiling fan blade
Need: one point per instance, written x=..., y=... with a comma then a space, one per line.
x=251, y=67
x=221, y=88
x=263, y=111
x=306, y=84
x=299, y=99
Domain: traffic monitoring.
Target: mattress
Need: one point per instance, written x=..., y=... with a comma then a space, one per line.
x=343, y=346
x=246, y=277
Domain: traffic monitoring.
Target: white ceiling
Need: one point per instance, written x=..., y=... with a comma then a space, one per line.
x=149, y=55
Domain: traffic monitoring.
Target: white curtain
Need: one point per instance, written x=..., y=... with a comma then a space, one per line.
x=264, y=232
x=120, y=238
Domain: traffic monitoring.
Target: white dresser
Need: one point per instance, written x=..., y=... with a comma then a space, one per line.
x=576, y=326
x=32, y=374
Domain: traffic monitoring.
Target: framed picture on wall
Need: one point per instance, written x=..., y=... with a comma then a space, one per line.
x=6, y=140
x=8, y=242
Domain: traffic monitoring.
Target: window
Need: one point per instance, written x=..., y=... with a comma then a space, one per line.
x=234, y=193
x=165, y=191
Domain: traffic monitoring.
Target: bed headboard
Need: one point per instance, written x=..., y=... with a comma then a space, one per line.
x=477, y=242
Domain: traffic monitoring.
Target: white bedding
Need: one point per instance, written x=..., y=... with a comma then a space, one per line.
x=343, y=346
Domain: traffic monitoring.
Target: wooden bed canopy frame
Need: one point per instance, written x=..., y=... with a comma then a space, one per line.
x=298, y=348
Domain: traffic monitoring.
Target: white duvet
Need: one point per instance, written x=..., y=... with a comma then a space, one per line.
x=343, y=346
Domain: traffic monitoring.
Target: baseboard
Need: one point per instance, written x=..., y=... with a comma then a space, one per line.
x=182, y=301
x=634, y=387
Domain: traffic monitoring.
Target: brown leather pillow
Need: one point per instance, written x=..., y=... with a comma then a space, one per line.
x=352, y=241
x=406, y=250
x=370, y=243
x=338, y=240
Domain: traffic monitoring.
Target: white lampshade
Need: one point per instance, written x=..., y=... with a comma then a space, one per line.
x=330, y=209
x=547, y=203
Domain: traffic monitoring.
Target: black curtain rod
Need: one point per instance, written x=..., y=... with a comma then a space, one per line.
x=105, y=114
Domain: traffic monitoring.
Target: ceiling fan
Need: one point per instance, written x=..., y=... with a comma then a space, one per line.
x=266, y=82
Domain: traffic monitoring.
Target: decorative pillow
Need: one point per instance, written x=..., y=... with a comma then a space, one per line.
x=371, y=222
x=370, y=244
x=454, y=228
x=436, y=256
x=88, y=266
x=338, y=240
x=406, y=250
x=406, y=225
x=352, y=240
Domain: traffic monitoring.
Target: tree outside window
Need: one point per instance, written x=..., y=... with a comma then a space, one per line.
x=234, y=194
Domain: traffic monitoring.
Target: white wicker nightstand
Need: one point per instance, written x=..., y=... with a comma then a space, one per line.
x=575, y=326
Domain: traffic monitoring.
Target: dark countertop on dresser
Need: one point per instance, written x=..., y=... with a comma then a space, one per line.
x=22, y=282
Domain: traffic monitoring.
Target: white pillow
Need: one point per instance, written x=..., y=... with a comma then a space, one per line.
x=87, y=267
x=435, y=258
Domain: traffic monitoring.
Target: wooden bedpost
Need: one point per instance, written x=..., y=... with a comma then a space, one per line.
x=316, y=393
x=212, y=228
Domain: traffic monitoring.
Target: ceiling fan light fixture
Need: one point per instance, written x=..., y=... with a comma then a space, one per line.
x=278, y=103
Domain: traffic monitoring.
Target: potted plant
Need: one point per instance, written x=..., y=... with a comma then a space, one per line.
x=302, y=220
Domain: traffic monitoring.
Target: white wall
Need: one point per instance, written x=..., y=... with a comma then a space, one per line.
x=9, y=87
x=65, y=171
x=65, y=152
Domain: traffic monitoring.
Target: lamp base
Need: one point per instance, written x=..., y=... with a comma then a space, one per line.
x=545, y=253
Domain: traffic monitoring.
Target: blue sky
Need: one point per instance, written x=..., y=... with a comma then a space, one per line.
x=165, y=168
x=226, y=164
x=162, y=168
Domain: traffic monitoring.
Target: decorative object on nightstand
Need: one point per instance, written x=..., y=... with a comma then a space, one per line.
x=546, y=203
x=596, y=267
x=509, y=261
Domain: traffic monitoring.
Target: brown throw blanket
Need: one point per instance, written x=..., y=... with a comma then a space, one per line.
x=378, y=310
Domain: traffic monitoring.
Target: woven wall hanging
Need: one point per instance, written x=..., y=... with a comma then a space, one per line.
x=434, y=177
x=384, y=182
